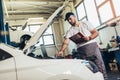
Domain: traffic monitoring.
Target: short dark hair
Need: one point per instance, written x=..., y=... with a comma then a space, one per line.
x=68, y=14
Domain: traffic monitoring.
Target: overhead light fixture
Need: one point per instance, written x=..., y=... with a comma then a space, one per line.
x=39, y=18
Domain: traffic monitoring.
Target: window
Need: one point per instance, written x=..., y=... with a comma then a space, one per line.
x=98, y=12
x=98, y=2
x=92, y=12
x=4, y=55
x=34, y=28
x=80, y=12
x=116, y=4
x=48, y=31
x=47, y=37
x=105, y=12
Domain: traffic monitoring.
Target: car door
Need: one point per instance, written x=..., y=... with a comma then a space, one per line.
x=7, y=66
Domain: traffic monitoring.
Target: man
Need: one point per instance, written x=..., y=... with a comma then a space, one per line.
x=87, y=49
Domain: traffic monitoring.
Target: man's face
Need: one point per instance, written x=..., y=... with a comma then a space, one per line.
x=72, y=20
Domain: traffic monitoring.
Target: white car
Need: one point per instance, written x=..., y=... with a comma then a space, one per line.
x=15, y=65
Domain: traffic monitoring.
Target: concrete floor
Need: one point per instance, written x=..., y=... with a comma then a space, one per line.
x=113, y=75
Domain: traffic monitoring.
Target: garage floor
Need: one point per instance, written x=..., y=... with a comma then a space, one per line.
x=113, y=75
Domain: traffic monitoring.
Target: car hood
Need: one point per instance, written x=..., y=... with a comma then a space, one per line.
x=29, y=68
x=55, y=69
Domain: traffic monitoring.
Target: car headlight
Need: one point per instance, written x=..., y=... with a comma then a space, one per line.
x=91, y=65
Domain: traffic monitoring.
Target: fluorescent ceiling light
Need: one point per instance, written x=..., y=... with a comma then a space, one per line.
x=39, y=18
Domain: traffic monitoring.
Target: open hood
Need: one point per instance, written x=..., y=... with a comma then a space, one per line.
x=34, y=39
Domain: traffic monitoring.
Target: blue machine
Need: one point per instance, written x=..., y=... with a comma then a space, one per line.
x=4, y=29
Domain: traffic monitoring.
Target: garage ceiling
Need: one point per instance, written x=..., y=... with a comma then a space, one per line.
x=24, y=9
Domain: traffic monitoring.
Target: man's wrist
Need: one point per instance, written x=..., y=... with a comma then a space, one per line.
x=90, y=37
x=61, y=51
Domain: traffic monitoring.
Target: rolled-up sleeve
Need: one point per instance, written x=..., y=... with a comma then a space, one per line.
x=68, y=34
x=90, y=27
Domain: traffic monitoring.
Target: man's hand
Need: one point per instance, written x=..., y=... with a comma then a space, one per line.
x=87, y=38
x=64, y=45
x=60, y=53
x=94, y=34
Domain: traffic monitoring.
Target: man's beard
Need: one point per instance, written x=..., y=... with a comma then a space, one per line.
x=73, y=24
